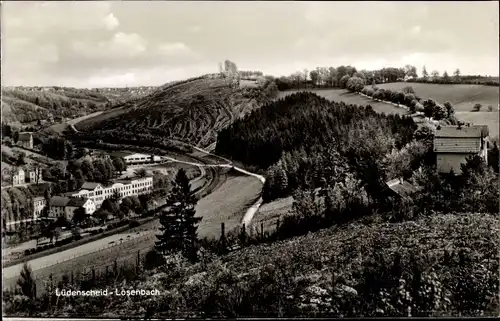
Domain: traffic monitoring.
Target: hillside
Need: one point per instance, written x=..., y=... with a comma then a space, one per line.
x=371, y=265
x=193, y=111
x=28, y=105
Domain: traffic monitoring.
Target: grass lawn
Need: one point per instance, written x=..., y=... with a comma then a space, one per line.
x=463, y=97
x=227, y=204
x=339, y=95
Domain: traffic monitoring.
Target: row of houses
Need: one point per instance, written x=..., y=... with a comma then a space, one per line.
x=89, y=197
x=22, y=177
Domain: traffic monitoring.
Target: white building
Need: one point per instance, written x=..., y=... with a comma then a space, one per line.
x=137, y=158
x=38, y=205
x=58, y=206
x=34, y=174
x=19, y=178
x=453, y=144
x=125, y=187
x=76, y=203
x=25, y=140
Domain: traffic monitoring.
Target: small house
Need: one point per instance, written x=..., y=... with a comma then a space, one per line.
x=19, y=178
x=454, y=144
x=25, y=140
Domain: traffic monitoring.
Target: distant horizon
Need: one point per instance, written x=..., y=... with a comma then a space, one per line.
x=97, y=44
x=265, y=74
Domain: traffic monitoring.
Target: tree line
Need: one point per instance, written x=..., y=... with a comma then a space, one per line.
x=331, y=77
x=456, y=78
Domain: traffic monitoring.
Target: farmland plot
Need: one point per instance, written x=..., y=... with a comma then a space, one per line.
x=339, y=95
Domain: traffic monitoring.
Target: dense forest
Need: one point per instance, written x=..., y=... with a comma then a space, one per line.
x=306, y=141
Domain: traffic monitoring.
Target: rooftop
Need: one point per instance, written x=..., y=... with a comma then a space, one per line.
x=462, y=131
x=120, y=154
x=77, y=202
x=402, y=188
x=59, y=201
x=24, y=136
x=89, y=186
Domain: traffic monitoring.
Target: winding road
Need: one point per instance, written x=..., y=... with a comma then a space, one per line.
x=249, y=214
x=10, y=273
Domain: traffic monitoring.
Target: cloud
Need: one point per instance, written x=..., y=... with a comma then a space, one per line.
x=194, y=29
x=416, y=29
x=172, y=49
x=91, y=42
x=121, y=45
x=111, y=22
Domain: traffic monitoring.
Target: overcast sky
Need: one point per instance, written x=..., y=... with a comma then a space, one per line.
x=94, y=44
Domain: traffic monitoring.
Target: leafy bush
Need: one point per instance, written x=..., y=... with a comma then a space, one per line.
x=153, y=260
x=134, y=223
x=477, y=107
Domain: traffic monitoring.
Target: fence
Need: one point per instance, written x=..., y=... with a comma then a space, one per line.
x=89, y=272
x=104, y=247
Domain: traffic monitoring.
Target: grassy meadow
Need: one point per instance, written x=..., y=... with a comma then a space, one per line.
x=339, y=95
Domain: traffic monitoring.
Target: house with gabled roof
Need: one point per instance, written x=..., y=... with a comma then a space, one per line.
x=76, y=203
x=58, y=206
x=25, y=140
x=454, y=144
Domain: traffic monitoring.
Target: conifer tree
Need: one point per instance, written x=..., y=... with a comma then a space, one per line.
x=26, y=282
x=179, y=225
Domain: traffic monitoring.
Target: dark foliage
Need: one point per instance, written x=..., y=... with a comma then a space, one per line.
x=306, y=141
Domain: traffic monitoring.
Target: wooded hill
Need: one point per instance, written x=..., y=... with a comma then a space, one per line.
x=305, y=141
x=191, y=111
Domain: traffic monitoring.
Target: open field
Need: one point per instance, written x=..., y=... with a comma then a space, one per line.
x=339, y=95
x=486, y=95
x=248, y=83
x=192, y=111
x=463, y=97
x=61, y=127
x=232, y=198
x=481, y=118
